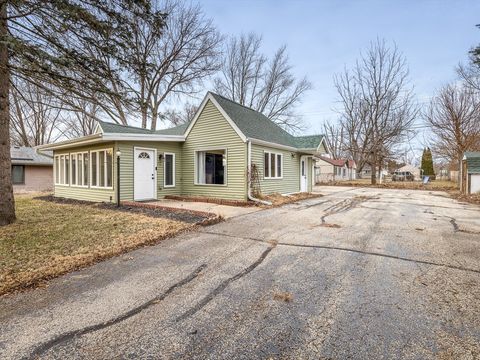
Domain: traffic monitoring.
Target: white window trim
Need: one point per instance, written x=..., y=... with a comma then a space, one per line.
x=96, y=152
x=269, y=165
x=165, y=170
x=67, y=155
x=225, y=176
x=76, y=168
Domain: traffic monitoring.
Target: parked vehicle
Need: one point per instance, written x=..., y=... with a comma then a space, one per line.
x=403, y=176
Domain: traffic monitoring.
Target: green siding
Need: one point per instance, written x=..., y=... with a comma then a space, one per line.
x=127, y=162
x=290, y=182
x=213, y=131
x=83, y=193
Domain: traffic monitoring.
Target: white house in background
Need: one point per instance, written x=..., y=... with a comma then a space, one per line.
x=328, y=169
x=471, y=173
x=366, y=172
x=414, y=170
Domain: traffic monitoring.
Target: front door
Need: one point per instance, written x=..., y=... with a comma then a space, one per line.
x=303, y=174
x=144, y=174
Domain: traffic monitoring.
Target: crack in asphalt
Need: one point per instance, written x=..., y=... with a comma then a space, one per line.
x=279, y=243
x=343, y=206
x=42, y=348
x=224, y=284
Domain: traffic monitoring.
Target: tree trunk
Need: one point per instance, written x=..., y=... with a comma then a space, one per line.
x=7, y=204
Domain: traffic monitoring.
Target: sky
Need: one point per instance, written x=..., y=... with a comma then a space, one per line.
x=323, y=37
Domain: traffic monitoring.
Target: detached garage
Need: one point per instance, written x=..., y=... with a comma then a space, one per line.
x=471, y=173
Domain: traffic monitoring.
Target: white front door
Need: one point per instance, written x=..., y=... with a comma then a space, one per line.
x=303, y=174
x=144, y=174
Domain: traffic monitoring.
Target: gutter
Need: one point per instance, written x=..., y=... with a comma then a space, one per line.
x=249, y=165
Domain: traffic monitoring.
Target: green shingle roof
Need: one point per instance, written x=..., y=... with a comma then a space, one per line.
x=255, y=125
x=473, y=162
x=251, y=123
x=125, y=129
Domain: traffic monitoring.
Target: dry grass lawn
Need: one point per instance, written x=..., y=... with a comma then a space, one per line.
x=49, y=239
x=440, y=185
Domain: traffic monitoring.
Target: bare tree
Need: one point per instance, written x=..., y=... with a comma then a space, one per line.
x=377, y=107
x=36, y=117
x=269, y=86
x=334, y=134
x=183, y=115
x=82, y=120
x=454, y=118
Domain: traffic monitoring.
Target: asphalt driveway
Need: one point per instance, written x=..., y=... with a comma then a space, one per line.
x=358, y=273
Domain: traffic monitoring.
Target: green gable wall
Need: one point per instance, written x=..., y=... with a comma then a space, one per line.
x=212, y=130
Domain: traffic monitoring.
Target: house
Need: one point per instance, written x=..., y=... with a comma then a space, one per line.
x=209, y=157
x=366, y=172
x=470, y=180
x=328, y=169
x=415, y=171
x=31, y=171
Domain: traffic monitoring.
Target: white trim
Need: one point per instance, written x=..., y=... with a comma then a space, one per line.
x=225, y=175
x=95, y=130
x=269, y=165
x=135, y=148
x=165, y=170
x=305, y=159
x=97, y=165
x=74, y=142
x=210, y=97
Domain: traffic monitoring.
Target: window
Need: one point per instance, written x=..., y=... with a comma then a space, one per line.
x=101, y=168
x=62, y=170
x=211, y=167
x=79, y=169
x=272, y=165
x=169, y=170
x=18, y=174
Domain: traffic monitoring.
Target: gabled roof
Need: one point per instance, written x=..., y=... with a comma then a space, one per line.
x=473, y=162
x=255, y=125
x=111, y=128
x=22, y=155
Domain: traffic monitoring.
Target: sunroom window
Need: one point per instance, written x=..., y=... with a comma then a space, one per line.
x=101, y=168
x=62, y=170
x=211, y=167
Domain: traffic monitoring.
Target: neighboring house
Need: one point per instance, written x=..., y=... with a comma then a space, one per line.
x=31, y=171
x=412, y=169
x=471, y=173
x=366, y=172
x=209, y=157
x=328, y=169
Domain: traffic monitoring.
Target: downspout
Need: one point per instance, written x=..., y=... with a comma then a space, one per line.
x=249, y=167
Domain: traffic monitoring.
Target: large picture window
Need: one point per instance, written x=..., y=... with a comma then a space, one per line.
x=62, y=170
x=169, y=170
x=101, y=168
x=272, y=165
x=79, y=169
x=211, y=167
x=18, y=174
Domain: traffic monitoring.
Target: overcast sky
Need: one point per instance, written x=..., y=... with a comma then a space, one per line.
x=324, y=36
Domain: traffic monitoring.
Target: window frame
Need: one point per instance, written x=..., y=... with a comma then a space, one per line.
x=23, y=175
x=76, y=154
x=65, y=170
x=195, y=166
x=276, y=154
x=165, y=170
x=97, y=170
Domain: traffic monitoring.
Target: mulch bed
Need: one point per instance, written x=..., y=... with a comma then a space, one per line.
x=187, y=216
